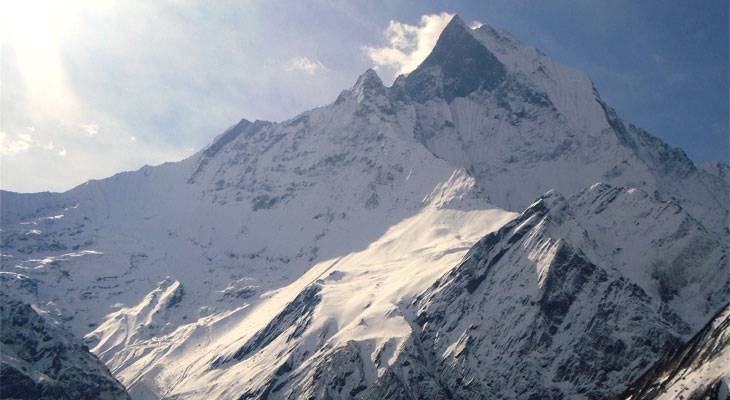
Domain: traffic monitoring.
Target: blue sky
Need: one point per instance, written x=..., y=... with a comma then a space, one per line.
x=92, y=88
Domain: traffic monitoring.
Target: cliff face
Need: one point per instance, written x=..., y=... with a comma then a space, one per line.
x=42, y=361
x=696, y=370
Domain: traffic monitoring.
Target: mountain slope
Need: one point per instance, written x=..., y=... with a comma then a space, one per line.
x=253, y=211
x=298, y=258
x=352, y=297
x=41, y=361
x=531, y=310
x=528, y=314
x=521, y=124
x=516, y=121
x=697, y=370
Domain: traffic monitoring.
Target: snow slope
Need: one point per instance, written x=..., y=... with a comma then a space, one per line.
x=250, y=213
x=415, y=314
x=282, y=251
x=354, y=297
x=534, y=312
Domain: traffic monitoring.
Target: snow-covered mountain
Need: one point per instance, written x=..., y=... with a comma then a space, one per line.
x=343, y=254
x=42, y=361
x=405, y=317
x=521, y=124
x=697, y=370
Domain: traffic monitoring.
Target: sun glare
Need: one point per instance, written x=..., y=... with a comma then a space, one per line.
x=32, y=32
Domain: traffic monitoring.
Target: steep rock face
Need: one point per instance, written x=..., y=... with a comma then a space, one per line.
x=658, y=245
x=697, y=370
x=457, y=66
x=41, y=361
x=522, y=124
x=528, y=315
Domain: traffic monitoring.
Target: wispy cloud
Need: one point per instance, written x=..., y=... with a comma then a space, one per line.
x=54, y=79
x=90, y=129
x=408, y=45
x=14, y=144
x=87, y=83
x=305, y=64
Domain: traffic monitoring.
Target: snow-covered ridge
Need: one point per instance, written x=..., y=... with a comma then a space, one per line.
x=306, y=258
x=539, y=121
x=362, y=326
x=356, y=297
x=499, y=324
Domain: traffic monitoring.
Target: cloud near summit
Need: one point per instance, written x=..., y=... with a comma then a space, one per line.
x=407, y=45
x=305, y=64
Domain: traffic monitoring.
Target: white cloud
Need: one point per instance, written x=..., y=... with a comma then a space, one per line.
x=304, y=64
x=198, y=71
x=90, y=129
x=25, y=137
x=476, y=24
x=408, y=45
x=22, y=142
x=18, y=144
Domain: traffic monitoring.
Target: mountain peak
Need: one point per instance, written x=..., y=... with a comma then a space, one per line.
x=456, y=22
x=368, y=84
x=368, y=78
x=458, y=65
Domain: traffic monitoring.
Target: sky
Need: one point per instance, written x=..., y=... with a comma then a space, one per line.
x=92, y=88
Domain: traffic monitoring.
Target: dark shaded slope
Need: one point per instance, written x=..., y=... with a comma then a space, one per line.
x=709, y=346
x=41, y=361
